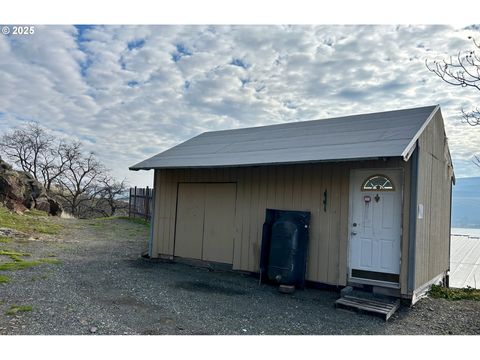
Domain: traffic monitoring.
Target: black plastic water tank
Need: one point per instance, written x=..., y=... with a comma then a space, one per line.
x=284, y=247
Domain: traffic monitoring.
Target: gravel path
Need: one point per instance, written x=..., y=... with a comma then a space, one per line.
x=102, y=285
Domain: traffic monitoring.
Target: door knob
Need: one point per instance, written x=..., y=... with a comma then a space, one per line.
x=353, y=233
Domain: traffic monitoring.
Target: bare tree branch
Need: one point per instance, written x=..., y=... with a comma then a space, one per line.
x=464, y=71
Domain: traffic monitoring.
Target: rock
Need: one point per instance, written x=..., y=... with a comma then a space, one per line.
x=19, y=191
x=4, y=165
x=93, y=329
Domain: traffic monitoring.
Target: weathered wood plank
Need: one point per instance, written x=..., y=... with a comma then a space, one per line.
x=386, y=309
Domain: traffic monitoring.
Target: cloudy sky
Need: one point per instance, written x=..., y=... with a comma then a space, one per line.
x=129, y=92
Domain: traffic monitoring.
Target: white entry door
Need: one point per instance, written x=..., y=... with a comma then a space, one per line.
x=375, y=225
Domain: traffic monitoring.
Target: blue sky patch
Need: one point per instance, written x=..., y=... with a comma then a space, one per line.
x=181, y=52
x=84, y=65
x=240, y=63
x=82, y=30
x=133, y=83
x=81, y=38
x=88, y=138
x=135, y=44
x=245, y=82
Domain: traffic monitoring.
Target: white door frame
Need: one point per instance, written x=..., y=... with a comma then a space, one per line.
x=351, y=279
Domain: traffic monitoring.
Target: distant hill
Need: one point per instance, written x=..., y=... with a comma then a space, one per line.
x=466, y=203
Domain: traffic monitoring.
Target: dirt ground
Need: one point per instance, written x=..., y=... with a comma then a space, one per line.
x=103, y=286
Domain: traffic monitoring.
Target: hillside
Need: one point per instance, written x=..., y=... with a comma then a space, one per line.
x=466, y=203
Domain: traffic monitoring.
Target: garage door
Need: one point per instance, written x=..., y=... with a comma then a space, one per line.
x=205, y=221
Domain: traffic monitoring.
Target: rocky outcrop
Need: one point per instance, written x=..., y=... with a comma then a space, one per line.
x=20, y=191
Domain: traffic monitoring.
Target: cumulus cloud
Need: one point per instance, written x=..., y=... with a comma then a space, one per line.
x=129, y=92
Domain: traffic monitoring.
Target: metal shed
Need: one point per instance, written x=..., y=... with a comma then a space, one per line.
x=378, y=187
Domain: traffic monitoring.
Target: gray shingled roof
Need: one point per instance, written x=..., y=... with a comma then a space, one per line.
x=385, y=134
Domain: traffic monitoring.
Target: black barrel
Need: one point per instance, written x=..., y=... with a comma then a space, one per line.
x=284, y=247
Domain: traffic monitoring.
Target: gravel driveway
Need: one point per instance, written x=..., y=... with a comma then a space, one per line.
x=103, y=286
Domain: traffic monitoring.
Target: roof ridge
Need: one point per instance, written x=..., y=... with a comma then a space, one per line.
x=322, y=119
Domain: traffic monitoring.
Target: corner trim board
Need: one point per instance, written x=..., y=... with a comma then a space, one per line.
x=412, y=221
x=152, y=216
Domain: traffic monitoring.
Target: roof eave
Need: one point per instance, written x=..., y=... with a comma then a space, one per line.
x=413, y=143
x=137, y=168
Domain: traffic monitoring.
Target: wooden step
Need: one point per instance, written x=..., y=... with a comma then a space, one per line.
x=383, y=307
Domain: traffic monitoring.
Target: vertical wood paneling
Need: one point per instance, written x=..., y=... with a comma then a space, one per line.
x=271, y=186
x=280, y=187
x=156, y=226
x=163, y=210
x=261, y=206
x=293, y=187
x=324, y=235
x=306, y=203
x=169, y=195
x=344, y=225
x=253, y=221
x=239, y=214
x=316, y=221
x=298, y=174
x=173, y=184
x=432, y=232
x=334, y=225
x=288, y=197
x=246, y=196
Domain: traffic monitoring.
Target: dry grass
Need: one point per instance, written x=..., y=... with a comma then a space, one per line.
x=440, y=292
x=33, y=221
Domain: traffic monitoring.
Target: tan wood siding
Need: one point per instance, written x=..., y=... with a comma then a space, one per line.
x=190, y=220
x=434, y=184
x=219, y=221
x=292, y=187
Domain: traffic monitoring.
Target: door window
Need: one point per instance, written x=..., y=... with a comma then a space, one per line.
x=378, y=183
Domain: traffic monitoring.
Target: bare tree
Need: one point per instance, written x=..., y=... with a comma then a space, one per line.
x=109, y=192
x=55, y=163
x=27, y=147
x=78, y=179
x=462, y=70
x=34, y=150
x=78, y=183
